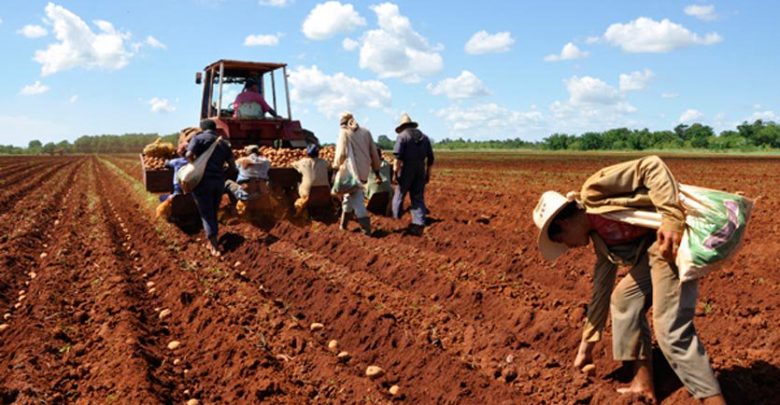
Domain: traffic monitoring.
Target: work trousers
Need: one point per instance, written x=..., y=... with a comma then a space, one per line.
x=354, y=202
x=208, y=196
x=413, y=185
x=653, y=281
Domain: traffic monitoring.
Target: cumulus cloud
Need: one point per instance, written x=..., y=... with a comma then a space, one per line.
x=161, y=105
x=349, y=44
x=275, y=3
x=704, y=12
x=690, y=115
x=34, y=89
x=330, y=18
x=569, y=52
x=73, y=98
x=491, y=120
x=647, y=35
x=262, y=40
x=767, y=115
x=590, y=90
x=467, y=85
x=669, y=95
x=395, y=50
x=592, y=39
x=155, y=43
x=332, y=94
x=482, y=42
x=78, y=46
x=635, y=81
x=32, y=31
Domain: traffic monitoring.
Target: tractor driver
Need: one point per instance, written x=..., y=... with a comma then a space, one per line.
x=250, y=103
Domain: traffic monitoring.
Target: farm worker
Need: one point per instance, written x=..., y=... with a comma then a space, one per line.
x=413, y=162
x=250, y=94
x=567, y=222
x=252, y=168
x=208, y=193
x=314, y=173
x=166, y=200
x=356, y=145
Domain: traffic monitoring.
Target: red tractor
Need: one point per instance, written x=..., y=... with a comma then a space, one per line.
x=222, y=82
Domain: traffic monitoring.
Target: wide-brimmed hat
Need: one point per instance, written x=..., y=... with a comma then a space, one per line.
x=550, y=204
x=406, y=121
x=345, y=117
x=249, y=149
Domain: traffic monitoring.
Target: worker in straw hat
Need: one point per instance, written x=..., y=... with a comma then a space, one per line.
x=356, y=154
x=579, y=218
x=412, y=168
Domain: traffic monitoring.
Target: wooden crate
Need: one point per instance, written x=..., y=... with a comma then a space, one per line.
x=157, y=181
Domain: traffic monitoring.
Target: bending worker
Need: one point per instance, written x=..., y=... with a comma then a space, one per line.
x=644, y=184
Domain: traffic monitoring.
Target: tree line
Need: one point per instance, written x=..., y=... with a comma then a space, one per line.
x=746, y=137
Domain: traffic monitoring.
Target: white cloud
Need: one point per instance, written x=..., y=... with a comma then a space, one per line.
x=395, y=50
x=276, y=3
x=590, y=90
x=349, y=44
x=690, y=115
x=161, y=105
x=647, y=35
x=73, y=98
x=330, y=18
x=482, y=42
x=332, y=94
x=569, y=52
x=79, y=46
x=492, y=121
x=262, y=40
x=467, y=85
x=34, y=89
x=32, y=31
x=701, y=11
x=155, y=43
x=670, y=95
x=592, y=40
x=635, y=81
x=767, y=115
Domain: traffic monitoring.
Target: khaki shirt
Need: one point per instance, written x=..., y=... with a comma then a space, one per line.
x=645, y=184
x=314, y=172
x=363, y=149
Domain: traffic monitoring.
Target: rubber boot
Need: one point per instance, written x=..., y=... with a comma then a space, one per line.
x=344, y=220
x=365, y=225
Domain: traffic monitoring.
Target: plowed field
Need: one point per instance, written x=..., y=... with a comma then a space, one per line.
x=104, y=305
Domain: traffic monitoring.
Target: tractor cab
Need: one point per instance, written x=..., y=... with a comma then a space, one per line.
x=246, y=123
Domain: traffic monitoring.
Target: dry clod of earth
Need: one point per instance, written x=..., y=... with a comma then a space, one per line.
x=18, y=305
x=152, y=290
x=316, y=326
x=22, y=297
x=236, y=264
x=33, y=274
x=164, y=313
x=3, y=327
x=333, y=345
x=174, y=344
x=6, y=316
x=176, y=362
x=589, y=370
x=193, y=402
x=22, y=292
x=343, y=357
x=374, y=372
x=149, y=284
x=43, y=255
x=395, y=390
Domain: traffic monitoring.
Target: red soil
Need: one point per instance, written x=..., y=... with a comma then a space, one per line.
x=467, y=313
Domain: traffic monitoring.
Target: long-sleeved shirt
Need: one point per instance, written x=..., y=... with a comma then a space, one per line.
x=250, y=97
x=215, y=168
x=176, y=164
x=252, y=167
x=363, y=149
x=645, y=184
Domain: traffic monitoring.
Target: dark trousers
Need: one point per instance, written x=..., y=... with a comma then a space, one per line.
x=208, y=196
x=415, y=186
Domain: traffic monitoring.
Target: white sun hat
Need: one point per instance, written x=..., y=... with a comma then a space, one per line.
x=550, y=204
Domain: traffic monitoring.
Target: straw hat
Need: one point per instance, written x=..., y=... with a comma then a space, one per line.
x=550, y=204
x=345, y=117
x=406, y=121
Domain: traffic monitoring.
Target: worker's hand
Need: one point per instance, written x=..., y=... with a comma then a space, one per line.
x=378, y=179
x=584, y=354
x=668, y=243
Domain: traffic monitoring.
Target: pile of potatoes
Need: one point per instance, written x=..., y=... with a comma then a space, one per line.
x=286, y=157
x=158, y=149
x=154, y=163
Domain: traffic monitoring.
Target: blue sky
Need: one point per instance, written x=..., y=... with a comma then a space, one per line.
x=480, y=70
